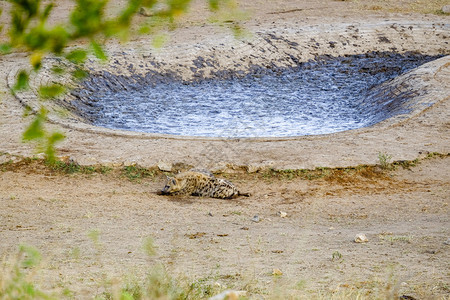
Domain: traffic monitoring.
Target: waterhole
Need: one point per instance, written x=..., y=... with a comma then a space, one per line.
x=323, y=96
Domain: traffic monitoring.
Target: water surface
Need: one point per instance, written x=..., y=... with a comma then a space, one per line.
x=317, y=97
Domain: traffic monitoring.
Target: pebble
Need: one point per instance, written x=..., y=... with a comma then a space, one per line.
x=165, y=166
x=446, y=9
x=229, y=295
x=144, y=12
x=253, y=168
x=277, y=272
x=361, y=238
x=282, y=214
x=256, y=219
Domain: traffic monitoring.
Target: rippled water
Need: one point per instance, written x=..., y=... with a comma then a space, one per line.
x=317, y=97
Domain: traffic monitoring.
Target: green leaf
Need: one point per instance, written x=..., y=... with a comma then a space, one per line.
x=148, y=3
x=22, y=81
x=177, y=7
x=46, y=12
x=126, y=296
x=144, y=29
x=37, y=38
x=77, y=56
x=58, y=38
x=18, y=24
x=159, y=40
x=56, y=137
x=36, y=128
x=50, y=151
x=98, y=50
x=87, y=17
x=5, y=48
x=213, y=5
x=79, y=74
x=36, y=60
x=51, y=91
x=58, y=70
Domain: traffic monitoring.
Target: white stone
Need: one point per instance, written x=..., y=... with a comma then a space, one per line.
x=256, y=219
x=282, y=214
x=230, y=295
x=165, y=166
x=361, y=238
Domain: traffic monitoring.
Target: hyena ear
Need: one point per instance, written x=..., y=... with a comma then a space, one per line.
x=171, y=179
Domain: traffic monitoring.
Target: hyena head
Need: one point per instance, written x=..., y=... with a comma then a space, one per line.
x=172, y=186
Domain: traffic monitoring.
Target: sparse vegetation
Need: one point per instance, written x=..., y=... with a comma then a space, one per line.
x=135, y=172
x=18, y=279
x=17, y=276
x=336, y=256
x=385, y=161
x=396, y=238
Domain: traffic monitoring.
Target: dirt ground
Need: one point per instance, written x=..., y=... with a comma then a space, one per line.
x=404, y=212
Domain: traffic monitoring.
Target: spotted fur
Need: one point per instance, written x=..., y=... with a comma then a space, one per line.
x=200, y=183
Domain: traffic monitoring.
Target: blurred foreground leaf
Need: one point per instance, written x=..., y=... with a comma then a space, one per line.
x=79, y=74
x=159, y=40
x=32, y=257
x=51, y=91
x=77, y=56
x=36, y=60
x=36, y=128
x=45, y=140
x=50, y=152
x=30, y=31
x=22, y=81
x=98, y=50
x=5, y=48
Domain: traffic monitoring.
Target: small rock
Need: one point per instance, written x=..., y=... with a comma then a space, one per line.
x=144, y=12
x=253, y=168
x=446, y=9
x=256, y=219
x=361, y=238
x=210, y=214
x=447, y=242
x=282, y=214
x=277, y=272
x=165, y=166
x=219, y=167
x=229, y=295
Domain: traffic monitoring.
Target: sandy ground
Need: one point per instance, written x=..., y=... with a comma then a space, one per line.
x=404, y=213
